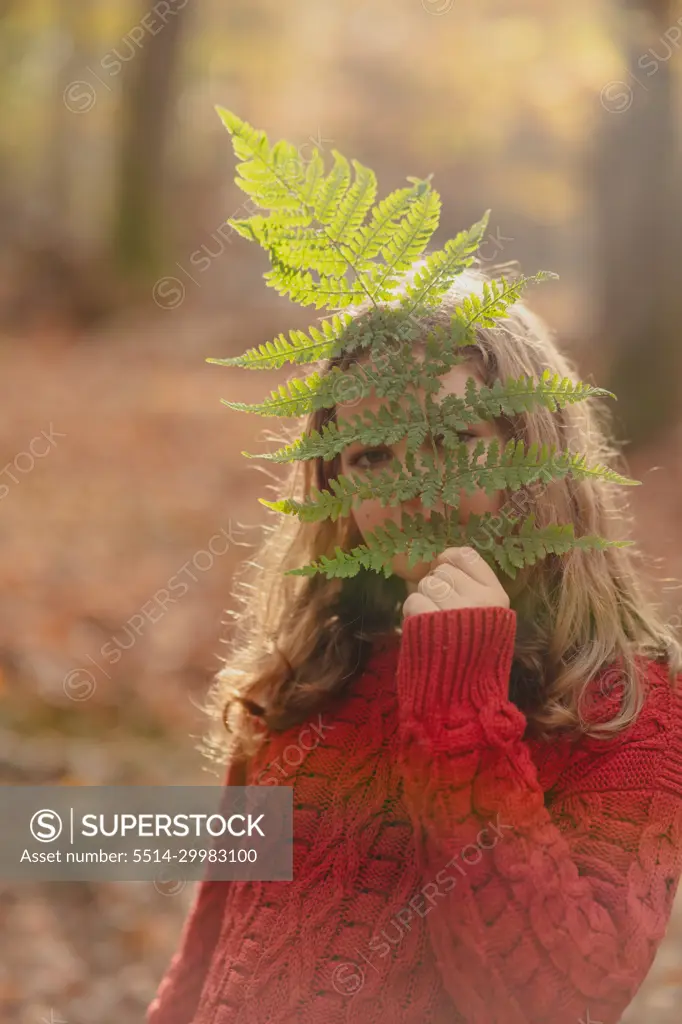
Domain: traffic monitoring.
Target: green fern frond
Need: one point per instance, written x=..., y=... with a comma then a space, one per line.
x=355, y=205
x=331, y=244
x=510, y=469
x=387, y=426
x=276, y=180
x=331, y=188
x=287, y=400
x=435, y=278
x=533, y=543
x=484, y=311
x=514, y=468
x=349, y=491
x=405, y=244
x=333, y=292
x=296, y=245
x=300, y=348
x=420, y=539
x=519, y=395
x=371, y=239
x=300, y=396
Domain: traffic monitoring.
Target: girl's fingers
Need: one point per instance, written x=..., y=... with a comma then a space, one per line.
x=443, y=582
x=471, y=563
x=416, y=604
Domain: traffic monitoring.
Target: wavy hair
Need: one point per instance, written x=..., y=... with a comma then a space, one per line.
x=299, y=641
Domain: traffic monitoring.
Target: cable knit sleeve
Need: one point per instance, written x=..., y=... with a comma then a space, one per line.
x=180, y=988
x=540, y=910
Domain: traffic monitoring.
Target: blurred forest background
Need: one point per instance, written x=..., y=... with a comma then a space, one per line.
x=118, y=277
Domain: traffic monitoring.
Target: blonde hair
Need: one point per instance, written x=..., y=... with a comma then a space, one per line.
x=299, y=641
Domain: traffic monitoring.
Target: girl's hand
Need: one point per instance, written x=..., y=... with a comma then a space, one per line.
x=460, y=578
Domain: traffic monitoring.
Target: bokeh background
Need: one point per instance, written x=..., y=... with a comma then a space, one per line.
x=119, y=277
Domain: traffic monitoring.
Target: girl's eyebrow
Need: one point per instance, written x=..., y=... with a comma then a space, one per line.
x=358, y=445
x=383, y=444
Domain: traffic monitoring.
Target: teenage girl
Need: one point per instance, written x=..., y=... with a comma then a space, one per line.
x=486, y=771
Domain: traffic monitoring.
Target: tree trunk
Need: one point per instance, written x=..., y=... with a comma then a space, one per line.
x=639, y=226
x=139, y=236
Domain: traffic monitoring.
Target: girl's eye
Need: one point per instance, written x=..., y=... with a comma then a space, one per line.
x=374, y=456
x=463, y=435
x=367, y=454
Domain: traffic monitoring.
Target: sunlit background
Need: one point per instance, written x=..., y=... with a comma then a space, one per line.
x=118, y=277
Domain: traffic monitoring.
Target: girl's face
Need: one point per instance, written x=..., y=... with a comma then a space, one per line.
x=365, y=460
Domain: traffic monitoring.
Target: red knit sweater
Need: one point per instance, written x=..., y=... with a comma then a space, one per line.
x=445, y=868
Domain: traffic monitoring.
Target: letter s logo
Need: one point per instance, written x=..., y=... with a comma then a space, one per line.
x=46, y=826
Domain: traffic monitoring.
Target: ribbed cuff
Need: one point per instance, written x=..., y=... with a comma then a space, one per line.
x=462, y=656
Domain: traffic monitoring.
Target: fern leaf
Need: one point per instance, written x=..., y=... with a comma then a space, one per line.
x=532, y=543
x=406, y=243
x=334, y=292
x=330, y=246
x=441, y=268
x=356, y=203
x=330, y=188
x=300, y=348
x=289, y=399
x=346, y=492
x=514, y=468
x=391, y=423
x=372, y=238
x=511, y=397
x=421, y=540
x=484, y=311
